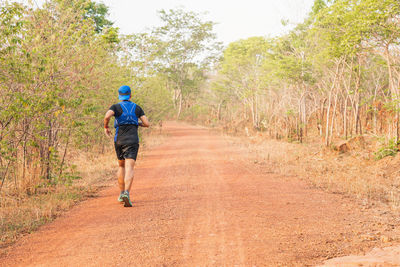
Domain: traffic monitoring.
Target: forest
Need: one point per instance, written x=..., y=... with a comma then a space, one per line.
x=333, y=77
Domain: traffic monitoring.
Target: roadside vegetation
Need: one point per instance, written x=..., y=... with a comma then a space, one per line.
x=332, y=80
x=335, y=76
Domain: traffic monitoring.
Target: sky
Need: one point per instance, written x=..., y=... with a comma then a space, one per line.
x=236, y=19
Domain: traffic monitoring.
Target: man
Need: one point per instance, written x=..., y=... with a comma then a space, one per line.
x=126, y=140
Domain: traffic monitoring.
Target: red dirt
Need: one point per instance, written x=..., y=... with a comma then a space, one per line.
x=198, y=202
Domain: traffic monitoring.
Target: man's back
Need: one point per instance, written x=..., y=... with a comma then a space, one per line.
x=127, y=131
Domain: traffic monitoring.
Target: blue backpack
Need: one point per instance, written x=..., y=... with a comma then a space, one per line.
x=128, y=116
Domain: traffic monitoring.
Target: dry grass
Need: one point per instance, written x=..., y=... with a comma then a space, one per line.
x=24, y=215
x=355, y=173
x=21, y=213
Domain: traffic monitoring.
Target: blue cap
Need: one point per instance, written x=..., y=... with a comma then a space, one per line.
x=124, y=92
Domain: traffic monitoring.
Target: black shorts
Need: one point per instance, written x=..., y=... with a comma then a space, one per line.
x=126, y=151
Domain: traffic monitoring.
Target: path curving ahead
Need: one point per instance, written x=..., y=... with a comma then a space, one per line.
x=198, y=202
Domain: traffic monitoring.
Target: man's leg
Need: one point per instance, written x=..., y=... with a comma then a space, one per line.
x=130, y=154
x=121, y=177
x=129, y=165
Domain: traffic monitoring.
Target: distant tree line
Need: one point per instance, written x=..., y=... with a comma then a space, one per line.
x=337, y=75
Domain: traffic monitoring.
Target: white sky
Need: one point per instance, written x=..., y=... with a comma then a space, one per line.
x=237, y=19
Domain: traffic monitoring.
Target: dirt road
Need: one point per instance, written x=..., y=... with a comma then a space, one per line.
x=198, y=202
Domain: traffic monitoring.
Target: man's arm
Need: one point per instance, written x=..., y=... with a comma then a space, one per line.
x=107, y=118
x=144, y=121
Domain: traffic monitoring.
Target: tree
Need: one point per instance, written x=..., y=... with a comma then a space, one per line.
x=182, y=49
x=98, y=12
x=242, y=72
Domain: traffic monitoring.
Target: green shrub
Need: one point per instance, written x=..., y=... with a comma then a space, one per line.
x=390, y=149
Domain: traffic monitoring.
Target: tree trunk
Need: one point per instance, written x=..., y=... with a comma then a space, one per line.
x=333, y=117
x=48, y=152
x=327, y=119
x=180, y=105
x=219, y=109
x=393, y=90
x=345, y=118
x=330, y=102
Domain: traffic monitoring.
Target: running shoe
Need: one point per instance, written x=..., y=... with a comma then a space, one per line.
x=120, y=198
x=127, y=201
